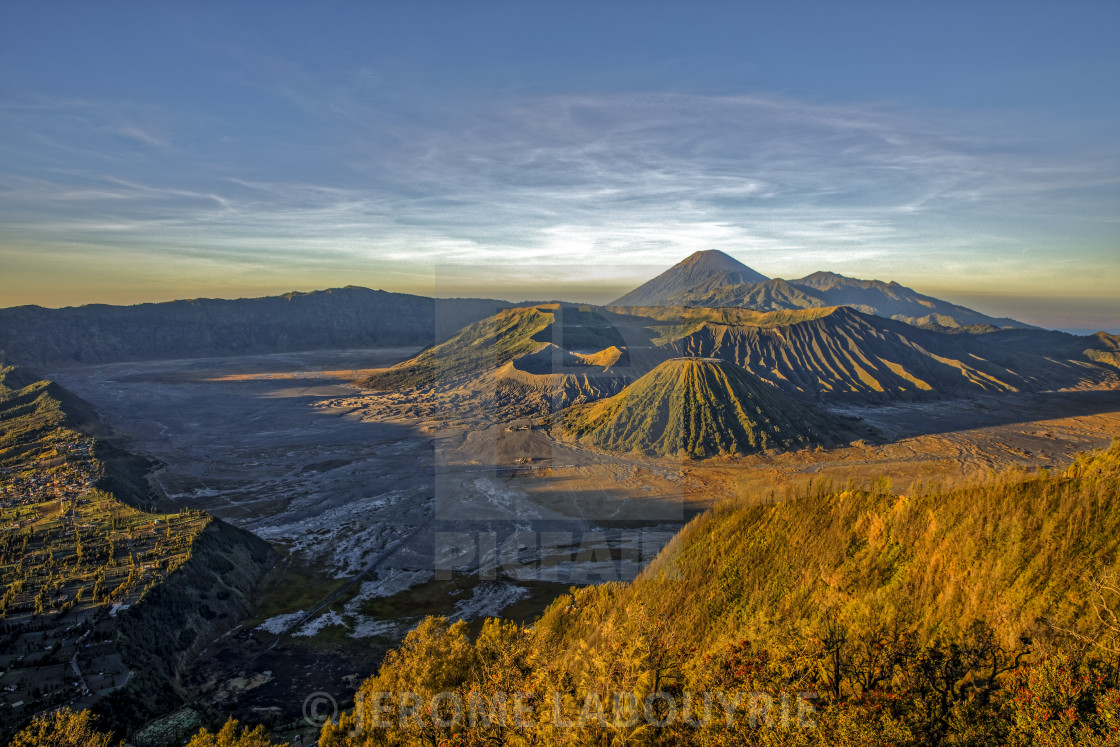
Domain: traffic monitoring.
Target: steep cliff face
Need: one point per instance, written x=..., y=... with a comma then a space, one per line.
x=205, y=596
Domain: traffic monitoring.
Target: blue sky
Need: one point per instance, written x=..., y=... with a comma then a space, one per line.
x=537, y=150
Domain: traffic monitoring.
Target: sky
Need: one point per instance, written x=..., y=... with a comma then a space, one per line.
x=533, y=150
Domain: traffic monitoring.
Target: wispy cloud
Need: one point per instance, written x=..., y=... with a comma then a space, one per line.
x=634, y=180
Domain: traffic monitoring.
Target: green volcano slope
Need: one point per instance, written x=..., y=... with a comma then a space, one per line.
x=477, y=348
x=700, y=407
x=545, y=339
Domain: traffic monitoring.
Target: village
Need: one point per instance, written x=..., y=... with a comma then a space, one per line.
x=67, y=477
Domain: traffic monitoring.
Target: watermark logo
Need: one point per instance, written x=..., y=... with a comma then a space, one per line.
x=564, y=557
x=381, y=710
x=319, y=708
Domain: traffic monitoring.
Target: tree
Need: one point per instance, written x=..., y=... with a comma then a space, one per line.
x=232, y=734
x=1104, y=596
x=434, y=659
x=63, y=728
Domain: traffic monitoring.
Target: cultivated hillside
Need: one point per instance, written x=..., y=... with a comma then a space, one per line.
x=34, y=414
x=699, y=407
x=122, y=594
x=348, y=317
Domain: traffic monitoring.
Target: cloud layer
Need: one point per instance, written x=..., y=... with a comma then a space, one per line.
x=349, y=180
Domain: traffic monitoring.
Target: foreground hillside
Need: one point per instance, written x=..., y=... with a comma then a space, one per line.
x=700, y=407
x=102, y=600
x=348, y=317
x=1015, y=551
x=975, y=616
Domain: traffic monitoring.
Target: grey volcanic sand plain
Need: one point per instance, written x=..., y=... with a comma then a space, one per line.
x=255, y=440
x=257, y=453
x=282, y=446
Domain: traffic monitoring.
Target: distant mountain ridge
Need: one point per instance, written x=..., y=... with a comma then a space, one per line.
x=350, y=317
x=705, y=280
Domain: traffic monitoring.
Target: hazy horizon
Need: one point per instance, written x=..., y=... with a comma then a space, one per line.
x=1059, y=314
x=523, y=152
